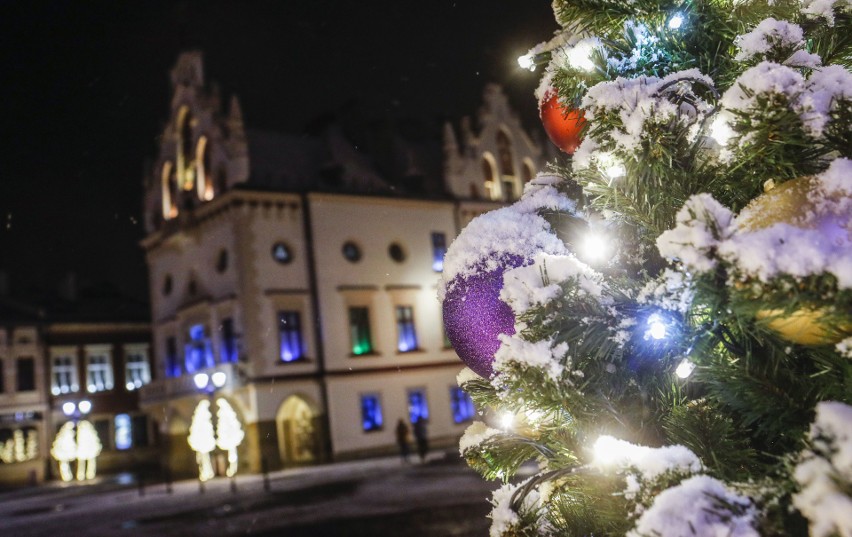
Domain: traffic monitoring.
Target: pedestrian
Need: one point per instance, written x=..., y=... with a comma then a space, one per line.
x=402, y=439
x=421, y=438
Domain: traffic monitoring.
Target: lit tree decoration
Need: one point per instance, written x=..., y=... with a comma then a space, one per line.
x=32, y=444
x=7, y=451
x=668, y=388
x=202, y=439
x=229, y=433
x=88, y=448
x=20, y=445
x=64, y=450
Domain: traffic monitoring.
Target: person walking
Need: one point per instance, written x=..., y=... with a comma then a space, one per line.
x=421, y=438
x=402, y=439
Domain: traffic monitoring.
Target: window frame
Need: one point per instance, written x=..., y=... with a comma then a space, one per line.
x=378, y=425
x=33, y=381
x=143, y=371
x=294, y=330
x=406, y=328
x=105, y=368
x=71, y=369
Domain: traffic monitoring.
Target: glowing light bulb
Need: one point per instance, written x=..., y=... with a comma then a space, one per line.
x=685, y=368
x=506, y=420
x=720, y=130
x=526, y=62
x=595, y=247
x=68, y=408
x=615, y=170
x=608, y=450
x=85, y=406
x=676, y=21
x=130, y=386
x=656, y=327
x=200, y=380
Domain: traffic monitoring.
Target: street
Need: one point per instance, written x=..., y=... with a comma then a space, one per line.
x=376, y=497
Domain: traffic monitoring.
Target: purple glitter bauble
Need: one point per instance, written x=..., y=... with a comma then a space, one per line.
x=474, y=316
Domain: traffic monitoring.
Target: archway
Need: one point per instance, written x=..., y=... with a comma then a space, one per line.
x=299, y=431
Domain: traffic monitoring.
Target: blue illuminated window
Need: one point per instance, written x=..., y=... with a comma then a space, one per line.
x=229, y=342
x=439, y=249
x=123, y=432
x=418, y=408
x=199, y=354
x=173, y=368
x=290, y=334
x=371, y=413
x=406, y=335
x=359, y=331
x=461, y=405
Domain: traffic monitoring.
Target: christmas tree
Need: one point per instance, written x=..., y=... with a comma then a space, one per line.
x=64, y=450
x=663, y=322
x=202, y=439
x=229, y=433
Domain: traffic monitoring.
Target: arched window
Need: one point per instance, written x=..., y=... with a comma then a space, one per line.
x=527, y=171
x=504, y=152
x=169, y=191
x=204, y=171
x=185, y=153
x=489, y=175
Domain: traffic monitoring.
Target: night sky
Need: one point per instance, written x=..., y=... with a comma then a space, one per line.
x=85, y=94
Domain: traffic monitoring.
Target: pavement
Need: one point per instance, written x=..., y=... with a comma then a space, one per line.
x=375, y=497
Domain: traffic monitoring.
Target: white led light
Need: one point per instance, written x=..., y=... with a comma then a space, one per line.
x=676, y=21
x=526, y=62
x=506, y=420
x=68, y=408
x=580, y=57
x=656, y=327
x=615, y=170
x=685, y=368
x=219, y=378
x=130, y=386
x=200, y=380
x=595, y=247
x=84, y=406
x=608, y=450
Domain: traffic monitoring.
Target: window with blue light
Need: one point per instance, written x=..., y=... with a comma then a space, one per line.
x=371, y=413
x=173, y=366
x=229, y=342
x=199, y=354
x=461, y=405
x=123, y=432
x=439, y=249
x=290, y=335
x=418, y=408
x=406, y=335
x=359, y=331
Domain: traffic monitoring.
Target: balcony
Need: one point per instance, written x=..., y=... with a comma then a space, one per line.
x=165, y=389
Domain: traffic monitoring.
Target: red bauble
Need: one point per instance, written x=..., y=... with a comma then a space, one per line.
x=563, y=125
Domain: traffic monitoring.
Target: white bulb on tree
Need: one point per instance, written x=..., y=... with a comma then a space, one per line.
x=229, y=433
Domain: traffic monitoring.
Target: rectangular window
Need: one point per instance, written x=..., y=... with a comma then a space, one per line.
x=406, y=336
x=26, y=374
x=99, y=372
x=418, y=408
x=229, y=342
x=123, y=432
x=371, y=413
x=290, y=335
x=173, y=368
x=461, y=405
x=198, y=352
x=102, y=427
x=439, y=249
x=359, y=331
x=64, y=375
x=137, y=372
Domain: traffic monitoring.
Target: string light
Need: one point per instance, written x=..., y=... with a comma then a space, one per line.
x=720, y=130
x=595, y=247
x=656, y=327
x=526, y=62
x=507, y=419
x=676, y=21
x=685, y=368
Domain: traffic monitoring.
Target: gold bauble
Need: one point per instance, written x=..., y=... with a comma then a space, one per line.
x=795, y=202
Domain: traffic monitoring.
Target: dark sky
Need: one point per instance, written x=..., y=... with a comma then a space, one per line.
x=85, y=93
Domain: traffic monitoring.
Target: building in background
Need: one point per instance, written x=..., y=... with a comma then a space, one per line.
x=302, y=271
x=90, y=347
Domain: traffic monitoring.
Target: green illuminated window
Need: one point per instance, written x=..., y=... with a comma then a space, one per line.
x=359, y=330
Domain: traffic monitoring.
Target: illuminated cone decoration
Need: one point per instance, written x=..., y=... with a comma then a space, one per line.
x=563, y=125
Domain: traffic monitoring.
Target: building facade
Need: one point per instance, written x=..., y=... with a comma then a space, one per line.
x=304, y=278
